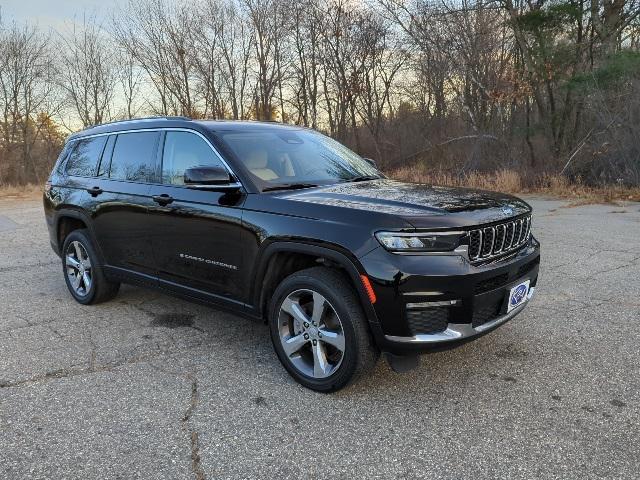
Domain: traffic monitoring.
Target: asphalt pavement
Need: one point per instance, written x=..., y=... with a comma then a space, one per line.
x=151, y=387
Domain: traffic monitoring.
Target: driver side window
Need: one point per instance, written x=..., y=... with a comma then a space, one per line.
x=183, y=150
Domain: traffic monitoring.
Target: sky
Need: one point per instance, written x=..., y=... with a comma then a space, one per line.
x=56, y=14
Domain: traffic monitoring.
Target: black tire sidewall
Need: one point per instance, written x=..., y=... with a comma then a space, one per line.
x=350, y=356
x=83, y=238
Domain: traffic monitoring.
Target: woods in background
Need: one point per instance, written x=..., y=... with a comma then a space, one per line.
x=453, y=85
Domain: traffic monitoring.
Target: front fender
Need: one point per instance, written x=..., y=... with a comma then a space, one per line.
x=334, y=253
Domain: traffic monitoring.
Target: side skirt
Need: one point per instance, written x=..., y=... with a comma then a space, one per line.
x=191, y=294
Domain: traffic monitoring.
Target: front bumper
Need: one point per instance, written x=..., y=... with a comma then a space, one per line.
x=435, y=302
x=460, y=331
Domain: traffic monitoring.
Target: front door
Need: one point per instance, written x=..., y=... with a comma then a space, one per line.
x=195, y=233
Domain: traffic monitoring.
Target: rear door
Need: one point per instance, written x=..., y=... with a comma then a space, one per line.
x=121, y=201
x=195, y=233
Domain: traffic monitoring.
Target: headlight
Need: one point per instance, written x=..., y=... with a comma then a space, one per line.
x=420, y=242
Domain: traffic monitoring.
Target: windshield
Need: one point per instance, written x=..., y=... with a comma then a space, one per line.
x=279, y=158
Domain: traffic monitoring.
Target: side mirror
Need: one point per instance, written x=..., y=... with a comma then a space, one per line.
x=371, y=161
x=207, y=176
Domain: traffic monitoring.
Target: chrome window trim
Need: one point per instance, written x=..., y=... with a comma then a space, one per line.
x=165, y=129
x=65, y=164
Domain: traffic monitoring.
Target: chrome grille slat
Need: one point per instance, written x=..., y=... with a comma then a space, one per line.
x=509, y=233
x=517, y=226
x=487, y=243
x=500, y=237
x=493, y=240
x=475, y=243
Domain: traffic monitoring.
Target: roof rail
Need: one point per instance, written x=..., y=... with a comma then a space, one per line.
x=144, y=119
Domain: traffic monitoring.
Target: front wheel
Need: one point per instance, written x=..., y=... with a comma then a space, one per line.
x=319, y=330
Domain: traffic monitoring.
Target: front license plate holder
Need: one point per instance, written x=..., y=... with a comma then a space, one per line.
x=518, y=294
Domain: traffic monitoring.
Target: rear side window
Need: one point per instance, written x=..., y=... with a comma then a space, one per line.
x=184, y=150
x=84, y=157
x=133, y=156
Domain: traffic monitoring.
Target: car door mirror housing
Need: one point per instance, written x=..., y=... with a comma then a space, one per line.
x=207, y=176
x=371, y=161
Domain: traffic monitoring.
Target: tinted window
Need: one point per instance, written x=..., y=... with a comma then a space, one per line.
x=60, y=163
x=84, y=158
x=133, y=156
x=184, y=150
x=106, y=157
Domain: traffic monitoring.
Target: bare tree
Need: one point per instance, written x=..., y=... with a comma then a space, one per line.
x=130, y=78
x=381, y=60
x=461, y=84
x=26, y=89
x=269, y=25
x=87, y=74
x=306, y=43
x=157, y=35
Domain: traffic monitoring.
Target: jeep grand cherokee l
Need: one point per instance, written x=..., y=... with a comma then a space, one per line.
x=284, y=224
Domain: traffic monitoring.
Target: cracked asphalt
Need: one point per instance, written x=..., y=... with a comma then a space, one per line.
x=149, y=386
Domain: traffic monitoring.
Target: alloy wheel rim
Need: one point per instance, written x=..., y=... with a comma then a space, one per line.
x=311, y=333
x=78, y=267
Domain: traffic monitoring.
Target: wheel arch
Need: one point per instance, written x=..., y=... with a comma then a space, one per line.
x=297, y=256
x=67, y=220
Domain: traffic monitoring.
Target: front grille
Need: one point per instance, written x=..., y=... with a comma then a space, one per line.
x=490, y=242
x=428, y=320
x=486, y=311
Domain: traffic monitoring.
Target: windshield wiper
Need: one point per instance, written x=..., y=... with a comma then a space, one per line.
x=363, y=178
x=289, y=186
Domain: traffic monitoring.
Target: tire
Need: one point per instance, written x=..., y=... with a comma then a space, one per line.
x=316, y=360
x=78, y=243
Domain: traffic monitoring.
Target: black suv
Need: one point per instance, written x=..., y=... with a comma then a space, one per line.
x=284, y=224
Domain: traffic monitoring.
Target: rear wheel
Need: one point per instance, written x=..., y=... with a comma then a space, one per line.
x=82, y=273
x=319, y=330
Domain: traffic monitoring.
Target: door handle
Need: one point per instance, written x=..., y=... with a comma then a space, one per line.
x=94, y=191
x=163, y=199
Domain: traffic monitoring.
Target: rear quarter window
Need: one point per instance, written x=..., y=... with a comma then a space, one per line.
x=60, y=164
x=84, y=158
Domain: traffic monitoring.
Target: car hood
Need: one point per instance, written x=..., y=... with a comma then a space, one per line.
x=418, y=204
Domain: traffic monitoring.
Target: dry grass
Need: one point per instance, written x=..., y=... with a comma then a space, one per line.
x=511, y=181
x=23, y=192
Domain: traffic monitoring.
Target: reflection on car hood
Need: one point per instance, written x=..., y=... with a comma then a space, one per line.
x=416, y=202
